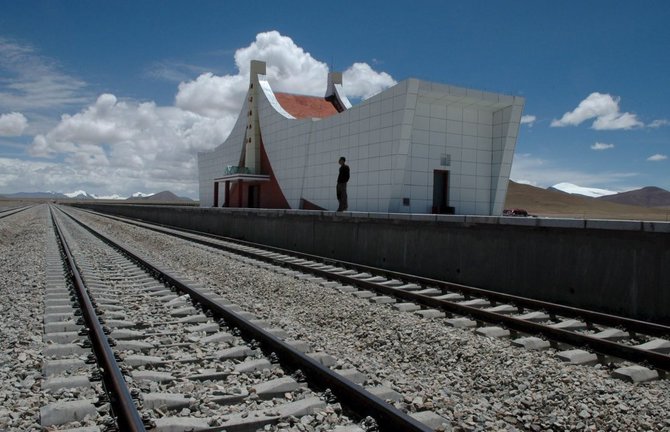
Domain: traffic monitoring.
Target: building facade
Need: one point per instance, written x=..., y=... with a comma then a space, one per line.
x=417, y=147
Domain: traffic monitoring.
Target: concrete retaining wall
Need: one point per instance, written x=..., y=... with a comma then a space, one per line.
x=620, y=267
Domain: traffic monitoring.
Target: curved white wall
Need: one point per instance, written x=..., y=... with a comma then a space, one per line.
x=392, y=141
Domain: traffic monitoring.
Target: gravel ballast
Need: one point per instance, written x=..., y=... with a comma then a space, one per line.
x=22, y=283
x=475, y=382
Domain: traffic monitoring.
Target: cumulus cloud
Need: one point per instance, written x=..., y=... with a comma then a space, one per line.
x=604, y=108
x=601, y=146
x=115, y=145
x=114, y=140
x=657, y=157
x=360, y=81
x=528, y=119
x=12, y=124
x=288, y=69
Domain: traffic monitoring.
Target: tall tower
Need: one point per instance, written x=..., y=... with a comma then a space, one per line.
x=252, y=154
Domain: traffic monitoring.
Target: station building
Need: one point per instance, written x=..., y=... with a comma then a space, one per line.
x=417, y=147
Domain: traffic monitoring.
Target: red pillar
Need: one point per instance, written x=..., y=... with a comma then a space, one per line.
x=239, y=193
x=226, y=194
x=216, y=194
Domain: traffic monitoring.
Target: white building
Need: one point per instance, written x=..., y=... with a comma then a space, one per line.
x=418, y=147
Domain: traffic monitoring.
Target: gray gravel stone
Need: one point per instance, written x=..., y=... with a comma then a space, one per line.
x=475, y=383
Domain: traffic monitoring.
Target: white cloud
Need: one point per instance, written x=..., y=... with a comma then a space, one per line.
x=528, y=119
x=31, y=81
x=604, y=109
x=121, y=146
x=213, y=96
x=288, y=69
x=539, y=172
x=601, y=146
x=138, y=144
x=361, y=81
x=658, y=123
x=657, y=157
x=12, y=124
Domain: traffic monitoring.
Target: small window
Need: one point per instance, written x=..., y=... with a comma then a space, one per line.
x=445, y=159
x=405, y=202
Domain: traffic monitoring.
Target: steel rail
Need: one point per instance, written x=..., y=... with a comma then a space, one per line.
x=591, y=317
x=127, y=416
x=12, y=211
x=354, y=396
x=637, y=355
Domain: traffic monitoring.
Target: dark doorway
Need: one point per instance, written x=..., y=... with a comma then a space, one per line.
x=254, y=196
x=441, y=192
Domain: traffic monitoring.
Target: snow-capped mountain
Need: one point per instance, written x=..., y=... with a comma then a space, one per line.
x=164, y=196
x=111, y=197
x=581, y=190
x=80, y=194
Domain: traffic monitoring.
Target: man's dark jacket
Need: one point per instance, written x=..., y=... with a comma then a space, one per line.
x=343, y=177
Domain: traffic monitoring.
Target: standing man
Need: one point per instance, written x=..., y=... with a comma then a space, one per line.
x=341, y=190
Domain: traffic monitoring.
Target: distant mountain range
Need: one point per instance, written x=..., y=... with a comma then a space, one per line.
x=649, y=196
x=580, y=190
x=552, y=202
x=164, y=196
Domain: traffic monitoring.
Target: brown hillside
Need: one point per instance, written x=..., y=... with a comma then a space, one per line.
x=542, y=202
x=649, y=196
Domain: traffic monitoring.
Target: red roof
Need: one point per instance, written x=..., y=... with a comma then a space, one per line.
x=300, y=106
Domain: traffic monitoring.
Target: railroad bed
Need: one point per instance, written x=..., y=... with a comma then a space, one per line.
x=470, y=380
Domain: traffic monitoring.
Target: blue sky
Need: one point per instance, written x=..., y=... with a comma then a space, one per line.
x=118, y=97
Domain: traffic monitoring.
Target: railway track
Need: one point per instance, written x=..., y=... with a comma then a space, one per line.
x=14, y=210
x=172, y=355
x=586, y=337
